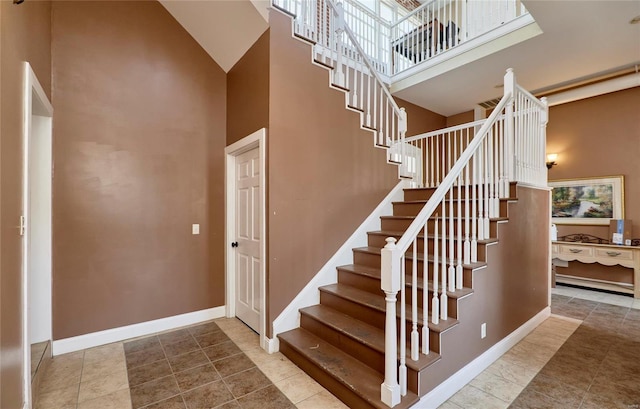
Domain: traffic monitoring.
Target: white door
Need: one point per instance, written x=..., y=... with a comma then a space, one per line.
x=247, y=244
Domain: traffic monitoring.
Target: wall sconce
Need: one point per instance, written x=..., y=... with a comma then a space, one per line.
x=551, y=160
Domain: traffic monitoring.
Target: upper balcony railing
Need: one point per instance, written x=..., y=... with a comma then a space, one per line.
x=440, y=25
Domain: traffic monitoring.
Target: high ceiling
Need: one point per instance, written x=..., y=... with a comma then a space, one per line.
x=579, y=39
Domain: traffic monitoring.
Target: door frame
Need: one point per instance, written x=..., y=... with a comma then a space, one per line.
x=35, y=103
x=258, y=140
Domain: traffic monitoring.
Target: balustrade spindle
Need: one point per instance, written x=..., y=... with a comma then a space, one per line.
x=452, y=257
x=425, y=290
x=444, y=312
x=435, y=302
x=415, y=338
x=487, y=194
x=458, y=279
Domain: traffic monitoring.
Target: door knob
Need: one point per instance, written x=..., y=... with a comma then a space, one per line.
x=234, y=244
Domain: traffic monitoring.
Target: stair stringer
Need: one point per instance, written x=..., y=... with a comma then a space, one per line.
x=289, y=318
x=510, y=314
x=332, y=85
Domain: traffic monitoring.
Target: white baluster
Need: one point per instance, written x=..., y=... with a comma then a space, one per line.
x=338, y=69
x=487, y=205
x=444, y=313
x=435, y=302
x=452, y=241
x=458, y=278
x=480, y=187
x=467, y=217
x=425, y=291
x=402, y=369
x=474, y=205
x=415, y=338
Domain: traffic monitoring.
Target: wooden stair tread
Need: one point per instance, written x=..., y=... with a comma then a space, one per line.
x=324, y=64
x=389, y=233
x=353, y=374
x=377, y=302
x=454, y=200
x=435, y=187
x=376, y=250
x=361, y=270
x=305, y=39
x=373, y=272
x=364, y=333
x=396, y=217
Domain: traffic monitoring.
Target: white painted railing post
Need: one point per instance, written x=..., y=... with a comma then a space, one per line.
x=509, y=89
x=390, y=283
x=544, y=119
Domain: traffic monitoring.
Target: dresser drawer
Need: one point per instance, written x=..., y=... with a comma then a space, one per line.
x=620, y=254
x=576, y=250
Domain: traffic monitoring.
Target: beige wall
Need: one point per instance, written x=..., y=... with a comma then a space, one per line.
x=419, y=120
x=139, y=136
x=325, y=176
x=248, y=92
x=598, y=136
x=25, y=35
x=461, y=118
x=511, y=290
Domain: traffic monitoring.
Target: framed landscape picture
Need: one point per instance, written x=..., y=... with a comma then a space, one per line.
x=587, y=201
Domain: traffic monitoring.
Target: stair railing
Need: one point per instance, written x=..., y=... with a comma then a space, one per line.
x=509, y=146
x=322, y=23
x=439, y=25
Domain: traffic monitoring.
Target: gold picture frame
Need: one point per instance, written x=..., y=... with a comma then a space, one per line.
x=587, y=201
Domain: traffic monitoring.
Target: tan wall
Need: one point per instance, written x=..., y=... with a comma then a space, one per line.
x=420, y=120
x=511, y=290
x=139, y=134
x=598, y=136
x=248, y=92
x=325, y=176
x=25, y=35
x=459, y=119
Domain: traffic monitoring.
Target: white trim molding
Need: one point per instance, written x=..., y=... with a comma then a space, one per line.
x=37, y=131
x=62, y=346
x=289, y=318
x=258, y=140
x=455, y=382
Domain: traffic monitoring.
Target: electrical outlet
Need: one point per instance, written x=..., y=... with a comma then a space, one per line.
x=195, y=229
x=483, y=330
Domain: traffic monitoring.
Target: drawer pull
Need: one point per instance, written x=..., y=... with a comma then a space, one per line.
x=613, y=253
x=575, y=250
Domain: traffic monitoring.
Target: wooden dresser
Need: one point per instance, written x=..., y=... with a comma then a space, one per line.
x=605, y=254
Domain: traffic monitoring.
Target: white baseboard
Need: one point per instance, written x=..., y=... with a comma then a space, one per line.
x=458, y=380
x=62, y=346
x=289, y=318
x=271, y=345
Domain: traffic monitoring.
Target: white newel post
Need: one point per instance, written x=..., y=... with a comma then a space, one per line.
x=544, y=119
x=510, y=89
x=390, y=283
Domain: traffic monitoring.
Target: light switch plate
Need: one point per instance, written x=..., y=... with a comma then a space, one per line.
x=195, y=229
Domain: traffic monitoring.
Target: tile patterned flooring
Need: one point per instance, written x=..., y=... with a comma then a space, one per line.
x=584, y=356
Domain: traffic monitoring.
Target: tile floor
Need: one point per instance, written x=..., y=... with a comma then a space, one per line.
x=114, y=376
x=197, y=367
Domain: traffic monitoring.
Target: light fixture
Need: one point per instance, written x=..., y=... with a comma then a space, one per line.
x=635, y=20
x=551, y=160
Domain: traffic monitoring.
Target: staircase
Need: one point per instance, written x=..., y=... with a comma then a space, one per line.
x=369, y=347
x=341, y=341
